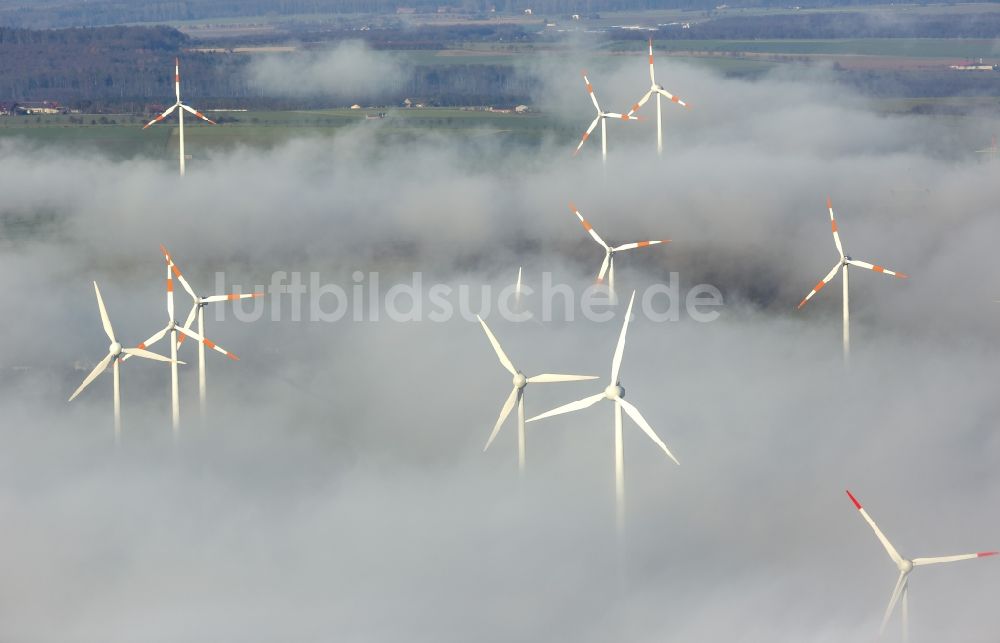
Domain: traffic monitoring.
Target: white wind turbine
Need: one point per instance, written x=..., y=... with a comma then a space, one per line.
x=901, y=590
x=180, y=112
x=173, y=328
x=517, y=393
x=616, y=394
x=601, y=118
x=842, y=264
x=608, y=267
x=116, y=352
x=198, y=310
x=660, y=93
x=991, y=150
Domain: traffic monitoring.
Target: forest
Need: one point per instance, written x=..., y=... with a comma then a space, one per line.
x=88, y=13
x=113, y=69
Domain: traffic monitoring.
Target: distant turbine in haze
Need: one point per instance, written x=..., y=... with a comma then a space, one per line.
x=602, y=116
x=901, y=590
x=659, y=92
x=842, y=264
x=608, y=266
x=115, y=353
x=991, y=150
x=180, y=112
x=517, y=393
x=616, y=394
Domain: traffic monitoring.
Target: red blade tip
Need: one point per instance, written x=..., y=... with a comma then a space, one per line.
x=854, y=500
x=984, y=554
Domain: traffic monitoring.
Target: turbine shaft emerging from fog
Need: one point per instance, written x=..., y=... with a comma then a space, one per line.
x=180, y=108
x=841, y=265
x=616, y=394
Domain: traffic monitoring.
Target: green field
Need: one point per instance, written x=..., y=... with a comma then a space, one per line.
x=125, y=138
x=893, y=47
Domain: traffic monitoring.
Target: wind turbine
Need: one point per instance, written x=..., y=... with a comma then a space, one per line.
x=901, y=590
x=842, y=264
x=180, y=112
x=660, y=93
x=616, y=394
x=991, y=150
x=115, y=353
x=173, y=328
x=517, y=393
x=609, y=251
x=198, y=310
x=601, y=117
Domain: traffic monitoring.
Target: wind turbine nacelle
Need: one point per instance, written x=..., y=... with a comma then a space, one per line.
x=614, y=392
x=115, y=349
x=520, y=381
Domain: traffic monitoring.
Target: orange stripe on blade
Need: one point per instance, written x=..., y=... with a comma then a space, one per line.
x=141, y=346
x=232, y=357
x=675, y=99
x=878, y=268
x=833, y=224
x=818, y=287
x=170, y=285
x=643, y=244
x=208, y=342
x=586, y=225
x=177, y=273
x=590, y=88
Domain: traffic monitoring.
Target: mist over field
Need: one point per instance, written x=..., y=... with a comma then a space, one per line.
x=339, y=491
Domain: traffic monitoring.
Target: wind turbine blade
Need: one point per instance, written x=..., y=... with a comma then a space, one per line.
x=833, y=227
x=508, y=406
x=105, y=320
x=504, y=360
x=642, y=101
x=616, y=363
x=877, y=268
x=149, y=342
x=187, y=322
x=604, y=266
x=518, y=287
x=644, y=425
x=586, y=135
x=893, y=554
x=233, y=296
x=569, y=408
x=138, y=352
x=917, y=562
x=590, y=90
x=652, y=76
x=671, y=97
x=177, y=79
x=101, y=366
x=191, y=316
x=586, y=226
x=198, y=114
x=639, y=244
x=623, y=117
x=161, y=116
x=546, y=378
x=177, y=272
x=818, y=287
x=207, y=342
x=893, y=600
